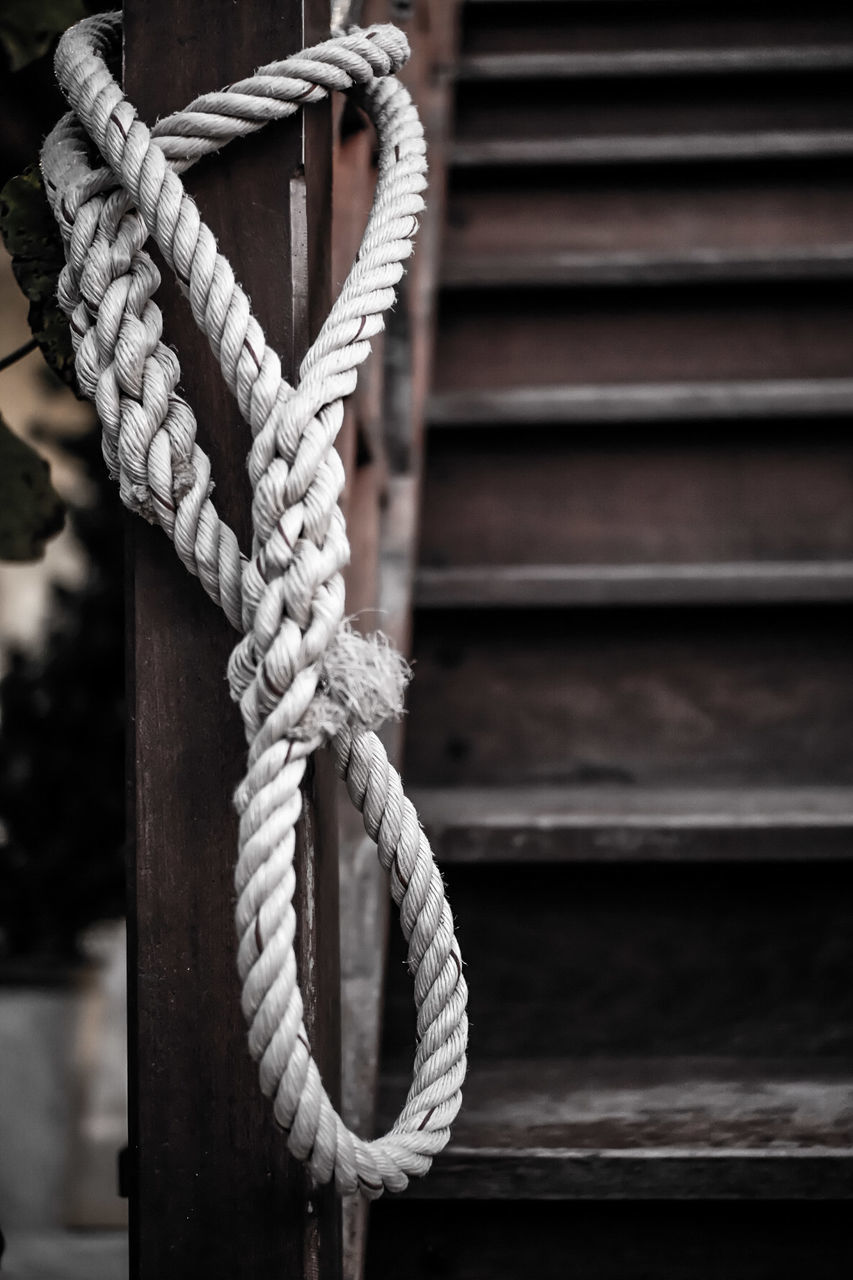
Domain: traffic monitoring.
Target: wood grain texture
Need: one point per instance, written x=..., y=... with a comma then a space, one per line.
x=213, y=1189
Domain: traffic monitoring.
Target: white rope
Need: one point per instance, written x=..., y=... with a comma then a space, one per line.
x=287, y=598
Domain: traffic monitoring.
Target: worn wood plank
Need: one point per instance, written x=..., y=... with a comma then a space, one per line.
x=561, y=268
x=638, y=402
x=664, y=148
x=682, y=1128
x=566, y=65
x=623, y=824
x=546, y=586
x=213, y=1190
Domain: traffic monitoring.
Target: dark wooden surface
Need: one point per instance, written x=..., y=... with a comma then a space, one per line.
x=659, y=697
x=710, y=210
x=213, y=1191
x=648, y=961
x=515, y=26
x=688, y=105
x=668, y=335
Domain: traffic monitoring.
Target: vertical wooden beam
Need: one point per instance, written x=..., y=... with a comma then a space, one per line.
x=213, y=1191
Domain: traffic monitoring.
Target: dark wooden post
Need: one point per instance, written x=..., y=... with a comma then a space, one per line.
x=213, y=1191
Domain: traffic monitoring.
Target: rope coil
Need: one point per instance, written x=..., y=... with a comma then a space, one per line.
x=290, y=670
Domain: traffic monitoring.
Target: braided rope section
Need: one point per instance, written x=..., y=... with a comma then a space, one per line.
x=286, y=597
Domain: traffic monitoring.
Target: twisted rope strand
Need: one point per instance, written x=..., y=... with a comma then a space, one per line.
x=287, y=596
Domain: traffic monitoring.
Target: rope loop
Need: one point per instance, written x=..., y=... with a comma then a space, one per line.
x=301, y=677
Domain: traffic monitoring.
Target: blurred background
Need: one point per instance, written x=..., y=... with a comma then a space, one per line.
x=62, y=981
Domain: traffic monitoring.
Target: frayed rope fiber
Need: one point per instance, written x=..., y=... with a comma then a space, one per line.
x=300, y=674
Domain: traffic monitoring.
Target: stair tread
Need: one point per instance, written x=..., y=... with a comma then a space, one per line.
x=623, y=1127
x=678, y=1128
x=565, y=267
x=656, y=148
x=554, y=585
x=564, y=806
x=641, y=62
x=618, y=1104
x=615, y=823
x=642, y=402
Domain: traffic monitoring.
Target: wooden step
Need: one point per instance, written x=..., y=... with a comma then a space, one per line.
x=664, y=148
x=568, y=405
x=741, y=697
x=721, y=493
x=650, y=1129
x=623, y=824
x=533, y=337
x=560, y=268
x=612, y=64
x=552, y=586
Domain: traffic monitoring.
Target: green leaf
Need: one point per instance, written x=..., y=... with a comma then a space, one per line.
x=31, y=510
x=27, y=27
x=32, y=237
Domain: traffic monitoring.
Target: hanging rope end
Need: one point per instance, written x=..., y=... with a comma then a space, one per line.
x=363, y=683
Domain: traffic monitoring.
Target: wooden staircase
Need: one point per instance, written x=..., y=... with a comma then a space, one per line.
x=631, y=728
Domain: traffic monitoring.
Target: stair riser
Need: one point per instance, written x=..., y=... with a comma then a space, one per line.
x=465, y=1240
x=567, y=962
x=643, y=107
x=528, y=26
x=781, y=491
x=516, y=338
x=724, y=211
x=657, y=698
